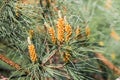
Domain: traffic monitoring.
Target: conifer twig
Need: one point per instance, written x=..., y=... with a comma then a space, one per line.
x=9, y=62
x=54, y=52
x=3, y=77
x=58, y=66
x=108, y=63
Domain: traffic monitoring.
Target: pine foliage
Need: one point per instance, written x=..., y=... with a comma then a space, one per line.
x=57, y=39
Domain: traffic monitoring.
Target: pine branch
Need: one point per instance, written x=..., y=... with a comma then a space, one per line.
x=108, y=63
x=9, y=62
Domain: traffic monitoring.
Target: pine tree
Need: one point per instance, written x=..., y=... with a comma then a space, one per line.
x=52, y=40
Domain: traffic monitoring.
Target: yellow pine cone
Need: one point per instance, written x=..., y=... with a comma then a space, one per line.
x=66, y=57
x=60, y=30
x=31, y=33
x=87, y=31
x=52, y=34
x=32, y=53
x=108, y=4
x=101, y=43
x=114, y=35
x=78, y=34
x=68, y=30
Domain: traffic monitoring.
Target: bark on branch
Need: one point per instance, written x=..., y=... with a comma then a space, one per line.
x=108, y=63
x=9, y=62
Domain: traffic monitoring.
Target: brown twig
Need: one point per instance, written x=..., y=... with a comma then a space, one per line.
x=3, y=77
x=58, y=66
x=46, y=60
x=9, y=62
x=108, y=63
